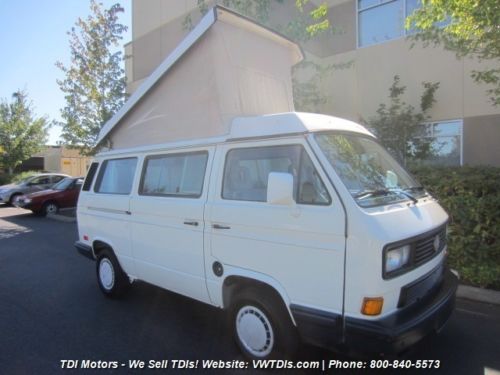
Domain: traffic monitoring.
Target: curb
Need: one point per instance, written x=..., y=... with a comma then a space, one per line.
x=478, y=294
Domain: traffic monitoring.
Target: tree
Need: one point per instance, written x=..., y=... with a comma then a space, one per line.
x=94, y=86
x=22, y=134
x=400, y=128
x=472, y=28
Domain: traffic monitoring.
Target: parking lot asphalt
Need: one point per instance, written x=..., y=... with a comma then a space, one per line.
x=51, y=310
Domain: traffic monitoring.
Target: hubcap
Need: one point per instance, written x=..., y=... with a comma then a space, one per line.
x=51, y=209
x=254, y=331
x=106, y=274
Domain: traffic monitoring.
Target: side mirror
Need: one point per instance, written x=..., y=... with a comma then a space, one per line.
x=280, y=188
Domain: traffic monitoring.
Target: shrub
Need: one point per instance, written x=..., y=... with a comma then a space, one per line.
x=471, y=196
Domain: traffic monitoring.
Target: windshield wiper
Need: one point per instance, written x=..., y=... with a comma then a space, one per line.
x=380, y=192
x=372, y=193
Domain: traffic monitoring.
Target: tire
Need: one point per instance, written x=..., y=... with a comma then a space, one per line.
x=50, y=208
x=112, y=281
x=262, y=326
x=13, y=198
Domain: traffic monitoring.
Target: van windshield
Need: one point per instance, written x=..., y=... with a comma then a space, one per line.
x=369, y=172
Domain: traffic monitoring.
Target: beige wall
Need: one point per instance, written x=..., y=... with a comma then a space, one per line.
x=481, y=140
x=355, y=92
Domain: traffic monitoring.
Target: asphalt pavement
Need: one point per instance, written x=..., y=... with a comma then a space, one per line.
x=51, y=310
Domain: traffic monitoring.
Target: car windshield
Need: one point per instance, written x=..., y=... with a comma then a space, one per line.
x=369, y=172
x=63, y=184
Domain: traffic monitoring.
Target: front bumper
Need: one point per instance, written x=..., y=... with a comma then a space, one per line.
x=391, y=334
x=405, y=327
x=84, y=250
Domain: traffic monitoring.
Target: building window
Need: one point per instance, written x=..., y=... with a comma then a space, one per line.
x=446, y=143
x=383, y=20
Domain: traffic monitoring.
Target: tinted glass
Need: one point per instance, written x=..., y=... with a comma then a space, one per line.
x=90, y=176
x=116, y=176
x=174, y=175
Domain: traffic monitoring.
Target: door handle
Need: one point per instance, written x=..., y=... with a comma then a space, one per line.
x=193, y=223
x=218, y=226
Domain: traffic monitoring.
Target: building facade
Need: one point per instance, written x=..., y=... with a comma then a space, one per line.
x=370, y=41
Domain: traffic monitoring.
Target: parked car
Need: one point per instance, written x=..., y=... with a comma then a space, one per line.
x=63, y=194
x=39, y=182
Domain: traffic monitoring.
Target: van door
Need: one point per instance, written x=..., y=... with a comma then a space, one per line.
x=167, y=221
x=105, y=212
x=300, y=247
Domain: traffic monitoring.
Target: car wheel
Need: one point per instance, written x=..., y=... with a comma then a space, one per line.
x=262, y=326
x=13, y=197
x=112, y=281
x=50, y=208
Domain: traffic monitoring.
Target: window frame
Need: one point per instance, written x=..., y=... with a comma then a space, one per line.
x=162, y=156
x=100, y=175
x=296, y=195
x=433, y=137
x=380, y=4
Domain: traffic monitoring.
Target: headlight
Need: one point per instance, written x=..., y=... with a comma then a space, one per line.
x=397, y=258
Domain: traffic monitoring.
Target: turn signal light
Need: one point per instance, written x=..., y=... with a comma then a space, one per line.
x=372, y=306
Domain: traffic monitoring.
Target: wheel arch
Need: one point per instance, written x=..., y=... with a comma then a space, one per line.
x=234, y=283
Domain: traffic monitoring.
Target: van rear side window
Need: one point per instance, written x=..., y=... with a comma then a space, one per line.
x=90, y=176
x=178, y=175
x=116, y=176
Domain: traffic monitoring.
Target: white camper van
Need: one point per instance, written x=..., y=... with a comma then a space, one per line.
x=300, y=225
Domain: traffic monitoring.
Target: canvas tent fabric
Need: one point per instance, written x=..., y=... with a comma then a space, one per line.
x=228, y=66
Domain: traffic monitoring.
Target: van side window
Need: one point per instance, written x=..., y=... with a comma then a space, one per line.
x=90, y=176
x=116, y=176
x=247, y=170
x=179, y=175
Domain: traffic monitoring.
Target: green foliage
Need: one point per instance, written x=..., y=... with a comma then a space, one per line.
x=94, y=86
x=471, y=197
x=398, y=125
x=22, y=134
x=471, y=29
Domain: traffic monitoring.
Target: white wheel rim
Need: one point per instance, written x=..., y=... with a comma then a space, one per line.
x=51, y=209
x=106, y=274
x=254, y=331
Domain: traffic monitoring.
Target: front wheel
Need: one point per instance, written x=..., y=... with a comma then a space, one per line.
x=50, y=208
x=262, y=326
x=112, y=281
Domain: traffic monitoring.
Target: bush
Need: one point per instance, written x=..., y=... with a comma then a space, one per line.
x=471, y=196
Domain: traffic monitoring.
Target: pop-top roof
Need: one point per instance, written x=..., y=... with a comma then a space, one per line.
x=230, y=19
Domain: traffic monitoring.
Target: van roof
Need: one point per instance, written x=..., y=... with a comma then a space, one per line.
x=265, y=126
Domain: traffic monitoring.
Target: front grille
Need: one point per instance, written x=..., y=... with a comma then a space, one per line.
x=421, y=288
x=424, y=248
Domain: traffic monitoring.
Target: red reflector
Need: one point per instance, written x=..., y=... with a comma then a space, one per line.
x=85, y=237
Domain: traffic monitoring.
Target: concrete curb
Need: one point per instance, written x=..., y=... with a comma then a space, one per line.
x=478, y=294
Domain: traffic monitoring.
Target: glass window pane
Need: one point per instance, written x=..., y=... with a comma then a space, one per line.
x=362, y=4
x=311, y=188
x=247, y=170
x=447, y=128
x=445, y=151
x=179, y=175
x=116, y=176
x=382, y=23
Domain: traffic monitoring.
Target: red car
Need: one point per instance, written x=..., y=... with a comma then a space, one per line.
x=63, y=194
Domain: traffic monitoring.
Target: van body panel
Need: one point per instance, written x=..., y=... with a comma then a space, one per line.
x=167, y=234
x=104, y=218
x=301, y=246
